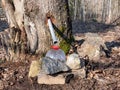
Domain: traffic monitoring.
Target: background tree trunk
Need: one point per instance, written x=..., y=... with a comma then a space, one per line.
x=105, y=11
x=28, y=23
x=83, y=10
x=75, y=9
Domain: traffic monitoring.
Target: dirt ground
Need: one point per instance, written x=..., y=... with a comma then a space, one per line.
x=103, y=75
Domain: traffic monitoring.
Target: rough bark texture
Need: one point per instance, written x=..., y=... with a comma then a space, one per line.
x=36, y=13
x=28, y=19
x=11, y=37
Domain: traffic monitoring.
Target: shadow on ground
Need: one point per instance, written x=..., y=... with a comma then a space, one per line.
x=3, y=25
x=80, y=27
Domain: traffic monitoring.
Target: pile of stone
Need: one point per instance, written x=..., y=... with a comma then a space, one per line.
x=92, y=47
x=97, y=45
x=50, y=71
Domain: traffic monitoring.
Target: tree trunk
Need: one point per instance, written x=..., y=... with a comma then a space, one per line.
x=83, y=10
x=29, y=18
x=108, y=11
x=14, y=38
x=104, y=12
x=75, y=9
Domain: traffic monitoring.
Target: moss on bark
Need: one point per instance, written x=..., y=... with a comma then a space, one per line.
x=65, y=46
x=65, y=42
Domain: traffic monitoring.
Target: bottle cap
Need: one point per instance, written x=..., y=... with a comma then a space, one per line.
x=55, y=47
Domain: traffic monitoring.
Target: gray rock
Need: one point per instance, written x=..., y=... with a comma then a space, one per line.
x=80, y=72
x=91, y=47
x=73, y=61
x=51, y=66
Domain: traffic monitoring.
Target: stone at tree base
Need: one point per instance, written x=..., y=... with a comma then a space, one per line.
x=73, y=61
x=91, y=47
x=34, y=68
x=47, y=79
x=77, y=65
x=79, y=72
x=60, y=78
x=51, y=66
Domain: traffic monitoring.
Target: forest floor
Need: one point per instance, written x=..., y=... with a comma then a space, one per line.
x=99, y=76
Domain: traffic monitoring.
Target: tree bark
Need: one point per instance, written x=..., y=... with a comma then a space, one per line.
x=36, y=12
x=83, y=10
x=75, y=9
x=29, y=18
x=11, y=38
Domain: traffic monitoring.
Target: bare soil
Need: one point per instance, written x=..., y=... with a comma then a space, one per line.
x=102, y=75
